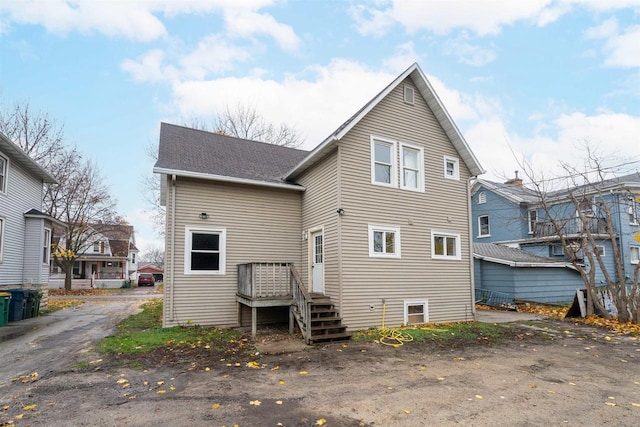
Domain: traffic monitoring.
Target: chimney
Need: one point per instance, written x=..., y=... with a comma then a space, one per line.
x=514, y=181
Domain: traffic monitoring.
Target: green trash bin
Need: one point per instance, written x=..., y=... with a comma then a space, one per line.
x=5, y=302
x=18, y=307
x=36, y=311
x=32, y=299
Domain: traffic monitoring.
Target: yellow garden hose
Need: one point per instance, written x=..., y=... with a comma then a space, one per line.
x=393, y=337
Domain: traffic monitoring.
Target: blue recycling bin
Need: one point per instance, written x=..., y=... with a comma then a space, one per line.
x=18, y=304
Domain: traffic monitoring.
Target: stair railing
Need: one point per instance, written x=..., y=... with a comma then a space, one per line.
x=302, y=301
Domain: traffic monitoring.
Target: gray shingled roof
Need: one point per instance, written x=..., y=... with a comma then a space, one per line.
x=512, y=255
x=192, y=150
x=625, y=180
x=523, y=194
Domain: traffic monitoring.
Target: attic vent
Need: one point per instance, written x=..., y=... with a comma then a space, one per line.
x=408, y=95
x=482, y=197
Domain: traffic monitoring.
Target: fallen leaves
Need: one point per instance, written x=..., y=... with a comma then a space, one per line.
x=255, y=403
x=29, y=407
x=215, y=406
x=32, y=377
x=321, y=422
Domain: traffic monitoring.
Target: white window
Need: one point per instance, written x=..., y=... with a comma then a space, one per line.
x=383, y=162
x=411, y=161
x=96, y=247
x=599, y=250
x=416, y=312
x=205, y=250
x=632, y=210
x=46, y=246
x=532, y=218
x=482, y=197
x=4, y=173
x=445, y=245
x=483, y=226
x=451, y=168
x=133, y=258
x=384, y=242
x=635, y=254
x=557, y=250
x=1, y=236
x=409, y=95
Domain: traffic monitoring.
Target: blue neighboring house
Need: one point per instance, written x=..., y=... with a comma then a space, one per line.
x=510, y=214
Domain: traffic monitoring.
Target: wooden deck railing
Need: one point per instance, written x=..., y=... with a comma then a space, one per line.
x=570, y=226
x=302, y=301
x=264, y=279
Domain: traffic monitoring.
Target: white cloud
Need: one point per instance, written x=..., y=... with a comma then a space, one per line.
x=113, y=19
x=246, y=23
x=402, y=58
x=468, y=53
x=486, y=17
x=608, y=28
x=612, y=135
x=140, y=20
x=329, y=96
x=624, y=50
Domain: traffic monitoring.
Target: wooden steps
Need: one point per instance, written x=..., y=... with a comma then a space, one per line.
x=326, y=324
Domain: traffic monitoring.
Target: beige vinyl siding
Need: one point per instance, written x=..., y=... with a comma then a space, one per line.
x=319, y=206
x=24, y=192
x=262, y=225
x=446, y=284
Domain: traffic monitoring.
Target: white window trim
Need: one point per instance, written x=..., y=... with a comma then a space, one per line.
x=48, y=257
x=6, y=175
x=386, y=229
x=602, y=248
x=2, y=237
x=420, y=178
x=424, y=303
x=456, y=168
x=529, y=221
x=636, y=261
x=482, y=197
x=188, y=232
x=394, y=161
x=440, y=233
x=408, y=89
x=480, y=235
x=633, y=213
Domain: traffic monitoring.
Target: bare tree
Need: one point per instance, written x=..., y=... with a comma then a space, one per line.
x=79, y=199
x=582, y=215
x=244, y=121
x=82, y=201
x=35, y=132
x=154, y=255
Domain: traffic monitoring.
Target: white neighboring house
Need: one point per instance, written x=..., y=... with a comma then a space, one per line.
x=25, y=231
x=108, y=258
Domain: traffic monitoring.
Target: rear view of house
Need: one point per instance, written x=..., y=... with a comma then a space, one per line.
x=373, y=220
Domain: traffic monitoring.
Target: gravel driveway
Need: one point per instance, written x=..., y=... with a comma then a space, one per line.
x=565, y=375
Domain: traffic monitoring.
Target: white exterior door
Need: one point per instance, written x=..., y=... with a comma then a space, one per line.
x=317, y=262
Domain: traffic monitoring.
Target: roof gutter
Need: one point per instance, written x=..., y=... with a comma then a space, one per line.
x=230, y=179
x=524, y=264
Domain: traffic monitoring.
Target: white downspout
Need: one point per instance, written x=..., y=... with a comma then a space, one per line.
x=173, y=245
x=471, y=259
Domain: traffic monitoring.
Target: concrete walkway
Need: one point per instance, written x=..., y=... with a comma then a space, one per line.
x=498, y=316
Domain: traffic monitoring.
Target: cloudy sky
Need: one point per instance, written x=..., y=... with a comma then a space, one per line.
x=532, y=77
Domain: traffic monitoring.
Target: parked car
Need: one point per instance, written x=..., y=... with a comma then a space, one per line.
x=146, y=279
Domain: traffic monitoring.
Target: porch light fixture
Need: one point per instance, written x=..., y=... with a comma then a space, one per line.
x=340, y=211
x=204, y=215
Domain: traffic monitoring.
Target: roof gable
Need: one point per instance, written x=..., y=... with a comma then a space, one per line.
x=191, y=152
x=432, y=100
x=20, y=157
x=510, y=192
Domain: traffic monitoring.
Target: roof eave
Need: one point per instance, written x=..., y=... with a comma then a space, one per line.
x=524, y=263
x=6, y=145
x=229, y=179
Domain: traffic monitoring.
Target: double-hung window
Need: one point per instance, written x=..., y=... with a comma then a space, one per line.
x=205, y=250
x=411, y=161
x=483, y=226
x=4, y=172
x=46, y=246
x=1, y=237
x=445, y=245
x=383, y=159
x=384, y=242
x=635, y=254
x=532, y=218
x=451, y=168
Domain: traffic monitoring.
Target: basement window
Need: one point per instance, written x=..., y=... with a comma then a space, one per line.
x=416, y=312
